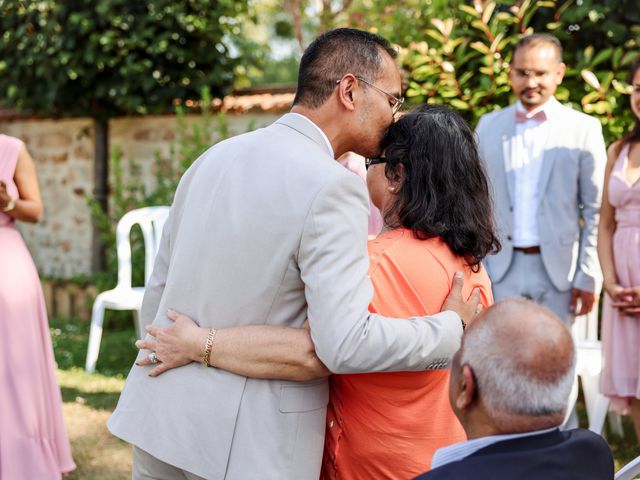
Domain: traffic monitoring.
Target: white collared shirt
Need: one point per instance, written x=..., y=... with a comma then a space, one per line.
x=326, y=139
x=526, y=163
x=461, y=450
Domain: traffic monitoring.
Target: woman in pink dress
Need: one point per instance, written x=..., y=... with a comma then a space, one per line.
x=619, y=252
x=33, y=441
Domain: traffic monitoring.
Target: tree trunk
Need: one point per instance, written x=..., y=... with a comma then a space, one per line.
x=101, y=187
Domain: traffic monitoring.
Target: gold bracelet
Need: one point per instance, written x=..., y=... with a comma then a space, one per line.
x=208, y=346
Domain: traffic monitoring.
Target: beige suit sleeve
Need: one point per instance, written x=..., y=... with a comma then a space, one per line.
x=333, y=264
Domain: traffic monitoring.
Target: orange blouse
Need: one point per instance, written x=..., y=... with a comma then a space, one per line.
x=389, y=425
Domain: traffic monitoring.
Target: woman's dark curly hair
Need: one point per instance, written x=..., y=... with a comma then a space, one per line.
x=445, y=192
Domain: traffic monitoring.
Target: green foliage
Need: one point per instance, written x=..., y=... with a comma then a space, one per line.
x=127, y=192
x=457, y=53
x=275, y=72
x=109, y=57
x=70, y=337
x=462, y=59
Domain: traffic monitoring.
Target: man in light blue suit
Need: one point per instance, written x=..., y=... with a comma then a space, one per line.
x=546, y=164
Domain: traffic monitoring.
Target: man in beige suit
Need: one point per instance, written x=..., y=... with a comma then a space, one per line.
x=267, y=228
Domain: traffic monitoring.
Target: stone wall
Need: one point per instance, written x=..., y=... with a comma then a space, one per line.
x=63, y=154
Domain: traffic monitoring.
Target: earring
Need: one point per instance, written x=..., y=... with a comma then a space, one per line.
x=392, y=189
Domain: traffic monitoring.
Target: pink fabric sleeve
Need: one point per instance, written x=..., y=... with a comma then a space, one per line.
x=9, y=150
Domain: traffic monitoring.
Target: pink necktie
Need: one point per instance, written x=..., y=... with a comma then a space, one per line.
x=540, y=116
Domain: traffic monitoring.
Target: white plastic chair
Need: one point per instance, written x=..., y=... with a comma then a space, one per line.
x=588, y=368
x=125, y=297
x=630, y=471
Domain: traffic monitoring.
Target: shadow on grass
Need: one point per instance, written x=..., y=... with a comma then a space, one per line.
x=96, y=400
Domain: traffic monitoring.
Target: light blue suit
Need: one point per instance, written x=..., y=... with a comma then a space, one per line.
x=570, y=187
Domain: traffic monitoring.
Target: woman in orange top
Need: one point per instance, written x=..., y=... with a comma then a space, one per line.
x=434, y=196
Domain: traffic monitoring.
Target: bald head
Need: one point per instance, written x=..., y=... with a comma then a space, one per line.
x=532, y=337
x=522, y=358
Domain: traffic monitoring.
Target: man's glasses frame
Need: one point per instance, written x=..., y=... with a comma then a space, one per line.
x=373, y=161
x=397, y=102
x=526, y=74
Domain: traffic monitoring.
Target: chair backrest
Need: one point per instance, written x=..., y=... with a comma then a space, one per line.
x=151, y=221
x=585, y=327
x=630, y=471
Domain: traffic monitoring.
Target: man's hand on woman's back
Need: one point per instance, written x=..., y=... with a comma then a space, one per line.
x=466, y=310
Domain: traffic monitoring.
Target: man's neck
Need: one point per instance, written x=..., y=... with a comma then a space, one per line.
x=327, y=122
x=535, y=108
x=481, y=425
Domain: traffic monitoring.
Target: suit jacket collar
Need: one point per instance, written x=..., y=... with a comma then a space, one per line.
x=553, y=109
x=306, y=127
x=523, y=443
x=508, y=137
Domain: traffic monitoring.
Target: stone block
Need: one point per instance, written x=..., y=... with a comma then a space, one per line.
x=62, y=302
x=47, y=291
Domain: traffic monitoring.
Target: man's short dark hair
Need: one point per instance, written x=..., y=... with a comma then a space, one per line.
x=537, y=39
x=334, y=54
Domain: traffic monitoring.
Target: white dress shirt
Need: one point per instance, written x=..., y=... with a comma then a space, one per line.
x=461, y=450
x=526, y=163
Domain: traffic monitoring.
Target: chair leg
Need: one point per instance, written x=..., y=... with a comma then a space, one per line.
x=95, y=336
x=570, y=417
x=596, y=403
x=615, y=424
x=136, y=323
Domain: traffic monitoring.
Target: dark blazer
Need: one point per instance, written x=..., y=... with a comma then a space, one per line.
x=574, y=454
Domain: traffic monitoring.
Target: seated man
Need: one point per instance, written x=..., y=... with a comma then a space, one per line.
x=510, y=382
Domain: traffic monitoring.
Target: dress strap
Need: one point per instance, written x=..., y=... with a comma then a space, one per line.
x=9, y=150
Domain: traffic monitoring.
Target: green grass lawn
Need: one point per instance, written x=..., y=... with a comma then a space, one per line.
x=90, y=399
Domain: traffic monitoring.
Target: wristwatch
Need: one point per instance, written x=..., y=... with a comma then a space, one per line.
x=11, y=205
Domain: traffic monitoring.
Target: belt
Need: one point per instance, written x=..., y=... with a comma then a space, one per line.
x=527, y=250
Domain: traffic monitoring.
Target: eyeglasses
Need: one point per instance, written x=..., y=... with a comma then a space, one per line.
x=394, y=101
x=525, y=74
x=373, y=161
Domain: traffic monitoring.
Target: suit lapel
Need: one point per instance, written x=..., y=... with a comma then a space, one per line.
x=508, y=137
x=303, y=126
x=549, y=155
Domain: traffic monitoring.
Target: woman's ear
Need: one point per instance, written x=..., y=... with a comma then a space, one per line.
x=398, y=174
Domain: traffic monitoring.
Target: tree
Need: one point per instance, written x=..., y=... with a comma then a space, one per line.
x=458, y=52
x=115, y=57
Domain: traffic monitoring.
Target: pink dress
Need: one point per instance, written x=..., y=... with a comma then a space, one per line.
x=620, y=378
x=355, y=163
x=33, y=440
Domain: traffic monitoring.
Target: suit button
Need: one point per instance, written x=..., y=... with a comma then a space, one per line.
x=511, y=209
x=509, y=237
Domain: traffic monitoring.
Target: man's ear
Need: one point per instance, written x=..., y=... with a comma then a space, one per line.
x=345, y=90
x=562, y=68
x=466, y=389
